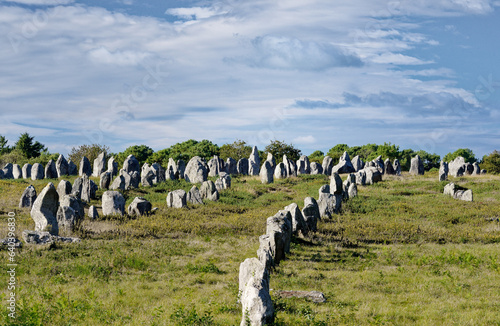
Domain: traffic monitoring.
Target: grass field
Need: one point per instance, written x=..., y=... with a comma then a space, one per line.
x=400, y=253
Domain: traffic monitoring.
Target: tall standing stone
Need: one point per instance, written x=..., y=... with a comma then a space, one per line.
x=328, y=204
x=336, y=184
x=242, y=166
x=64, y=188
x=131, y=164
x=105, y=180
x=231, y=166
x=72, y=168
x=311, y=213
x=357, y=163
x=99, y=165
x=196, y=170
x=327, y=165
x=17, y=172
x=88, y=189
x=28, y=197
x=113, y=203
x=266, y=173
x=303, y=165
x=417, y=166
x=85, y=168
x=172, y=173
x=112, y=166
x=254, y=162
x=397, y=167
x=44, y=210
x=213, y=166
x=271, y=160
x=62, y=166
x=159, y=173
x=281, y=171
x=316, y=168
x=344, y=165
x=475, y=166
x=50, y=170
x=7, y=171
x=443, y=171
x=389, y=169
x=181, y=167
x=27, y=171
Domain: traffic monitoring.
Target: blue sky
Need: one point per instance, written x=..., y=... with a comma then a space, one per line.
x=420, y=74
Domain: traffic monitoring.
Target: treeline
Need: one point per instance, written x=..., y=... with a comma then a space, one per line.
x=27, y=150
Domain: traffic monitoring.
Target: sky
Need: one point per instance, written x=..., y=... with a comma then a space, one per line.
x=420, y=74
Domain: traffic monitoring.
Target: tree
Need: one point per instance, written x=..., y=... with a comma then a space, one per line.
x=317, y=156
x=4, y=149
x=388, y=150
x=89, y=151
x=140, y=152
x=280, y=148
x=337, y=151
x=466, y=153
x=29, y=148
x=405, y=159
x=430, y=160
x=491, y=162
x=186, y=150
x=160, y=157
x=237, y=150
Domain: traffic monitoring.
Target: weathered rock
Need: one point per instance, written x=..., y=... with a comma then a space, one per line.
x=75, y=203
x=457, y=167
x=170, y=173
x=475, y=167
x=254, y=162
x=105, y=180
x=281, y=171
x=469, y=169
x=443, y=171
x=50, y=170
x=327, y=202
x=389, y=169
x=357, y=163
x=256, y=302
x=209, y=191
x=62, y=166
x=43, y=238
x=7, y=171
x=176, y=199
x=17, y=173
x=193, y=196
x=113, y=203
x=27, y=171
x=450, y=189
x=66, y=219
x=213, y=166
x=147, y=177
x=373, y=175
x=99, y=164
x=316, y=168
x=112, y=166
x=89, y=189
x=72, y=168
x=37, y=172
x=280, y=225
x=139, y=207
x=299, y=225
x=85, y=168
x=196, y=170
x=271, y=160
x=44, y=210
x=361, y=177
x=119, y=183
x=397, y=167
x=353, y=190
x=131, y=164
x=379, y=164
x=327, y=165
x=135, y=179
x=314, y=296
x=465, y=195
x=64, y=188
x=417, y=166
x=181, y=167
x=336, y=184
x=264, y=253
x=159, y=173
x=223, y=182
x=266, y=173
x=303, y=165
x=77, y=188
x=28, y=197
x=93, y=214
x=231, y=166
x=292, y=168
x=344, y=165
x=311, y=213
x=242, y=166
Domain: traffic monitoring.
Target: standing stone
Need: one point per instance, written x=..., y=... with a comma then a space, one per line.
x=17, y=173
x=135, y=179
x=231, y=166
x=77, y=188
x=336, y=184
x=64, y=188
x=469, y=169
x=361, y=177
x=176, y=199
x=397, y=167
x=75, y=203
x=27, y=171
x=316, y=168
x=352, y=191
x=112, y=166
x=443, y=171
x=194, y=197
x=93, y=214
x=181, y=167
x=475, y=166
x=457, y=167
x=389, y=169
x=344, y=165
x=105, y=180
x=147, y=177
x=303, y=165
x=257, y=306
x=50, y=170
x=483, y=171
x=450, y=189
x=113, y=203
x=379, y=164
x=265, y=252
x=131, y=164
x=209, y=191
x=266, y=173
x=327, y=165
x=159, y=172
x=66, y=219
x=280, y=171
x=7, y=171
x=28, y=197
x=196, y=170
x=44, y=210
x=417, y=166
x=72, y=168
x=62, y=166
x=279, y=229
x=213, y=166
x=357, y=163
x=292, y=167
x=139, y=207
x=327, y=202
x=373, y=175
x=85, y=168
x=119, y=183
x=242, y=166
x=99, y=164
x=271, y=160
x=88, y=189
x=311, y=213
x=299, y=225
x=172, y=173
x=254, y=162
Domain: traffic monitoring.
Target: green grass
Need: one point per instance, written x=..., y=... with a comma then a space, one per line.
x=401, y=253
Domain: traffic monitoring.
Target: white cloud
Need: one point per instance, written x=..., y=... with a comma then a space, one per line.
x=304, y=140
x=195, y=13
x=398, y=59
x=120, y=58
x=42, y=2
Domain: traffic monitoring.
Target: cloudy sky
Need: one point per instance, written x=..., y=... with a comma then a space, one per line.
x=421, y=74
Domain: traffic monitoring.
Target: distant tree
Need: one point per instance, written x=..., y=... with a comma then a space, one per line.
x=4, y=149
x=317, y=156
x=368, y=152
x=186, y=150
x=280, y=148
x=29, y=148
x=466, y=153
x=388, y=150
x=237, y=150
x=206, y=149
x=140, y=152
x=337, y=151
x=14, y=156
x=491, y=162
x=160, y=157
x=430, y=160
x=89, y=151
x=405, y=158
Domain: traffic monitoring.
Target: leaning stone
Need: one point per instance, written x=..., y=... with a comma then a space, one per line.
x=311, y=213
x=112, y=166
x=28, y=197
x=118, y=183
x=113, y=203
x=196, y=170
x=64, y=188
x=327, y=165
x=254, y=162
x=316, y=168
x=17, y=172
x=176, y=199
x=44, y=210
x=93, y=214
x=266, y=173
x=131, y=164
x=242, y=166
x=85, y=168
x=257, y=306
x=50, y=170
x=99, y=164
x=26, y=170
x=280, y=171
x=139, y=207
x=105, y=180
x=62, y=166
x=299, y=225
x=193, y=196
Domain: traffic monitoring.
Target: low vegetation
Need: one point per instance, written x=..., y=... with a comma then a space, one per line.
x=400, y=253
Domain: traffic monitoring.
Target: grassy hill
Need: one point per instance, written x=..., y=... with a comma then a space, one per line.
x=400, y=253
